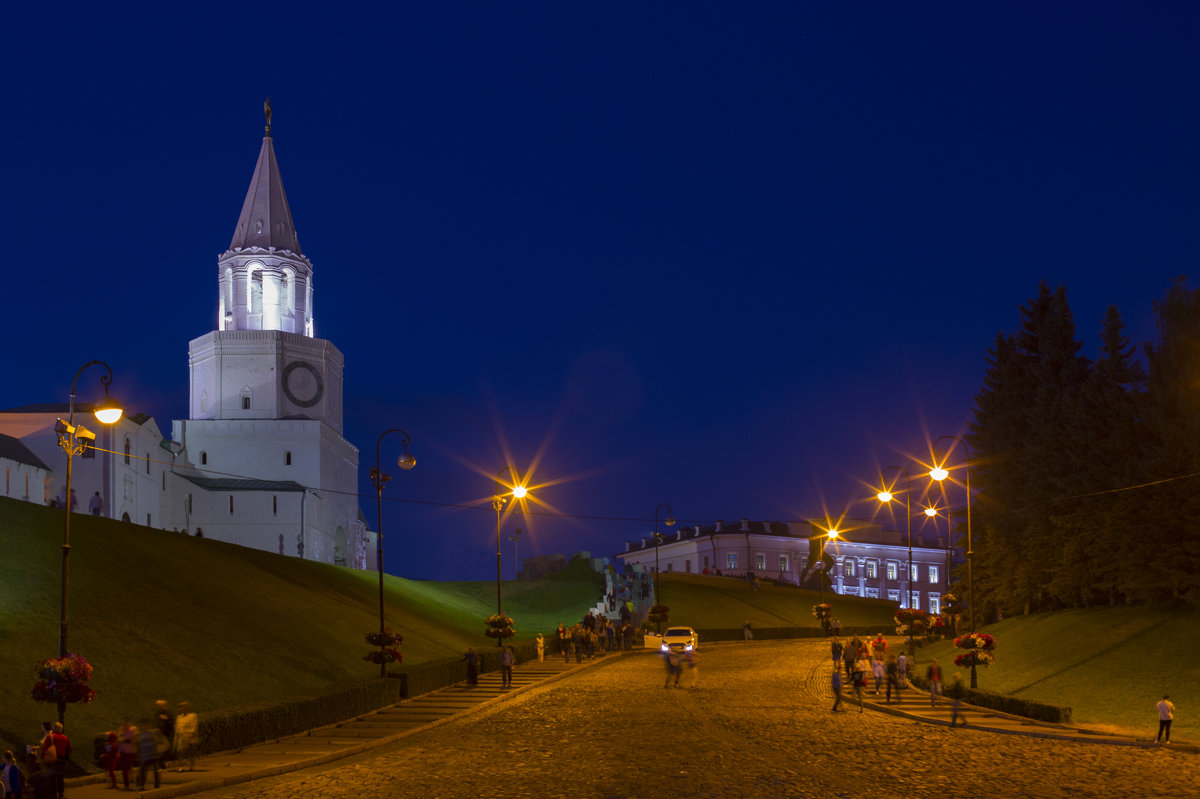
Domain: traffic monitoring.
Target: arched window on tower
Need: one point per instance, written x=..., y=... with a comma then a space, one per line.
x=227, y=298
x=287, y=459
x=127, y=448
x=287, y=298
x=254, y=295
x=203, y=458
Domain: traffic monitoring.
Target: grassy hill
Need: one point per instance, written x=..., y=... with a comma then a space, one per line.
x=162, y=615
x=1110, y=664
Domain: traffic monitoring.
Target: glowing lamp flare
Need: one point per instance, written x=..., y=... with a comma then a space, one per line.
x=519, y=491
x=884, y=496
x=939, y=474
x=931, y=512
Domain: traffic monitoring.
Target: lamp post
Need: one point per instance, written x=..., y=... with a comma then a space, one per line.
x=378, y=479
x=498, y=502
x=886, y=496
x=669, y=522
x=938, y=473
x=822, y=540
x=74, y=440
x=516, y=540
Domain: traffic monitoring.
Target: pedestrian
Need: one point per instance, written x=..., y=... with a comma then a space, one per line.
x=837, y=627
x=956, y=697
x=541, y=648
x=880, y=645
x=187, y=735
x=147, y=756
x=693, y=667
x=747, y=631
x=837, y=686
x=95, y=504
x=902, y=669
x=472, y=666
x=674, y=667
x=42, y=781
x=850, y=654
x=893, y=678
x=934, y=674
x=109, y=758
x=74, y=502
x=877, y=671
x=836, y=648
x=610, y=637
x=10, y=777
x=577, y=636
x=859, y=680
x=1166, y=714
x=506, y=665
x=126, y=750
x=62, y=747
x=564, y=642
x=165, y=720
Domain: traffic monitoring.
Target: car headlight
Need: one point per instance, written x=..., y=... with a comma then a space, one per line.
x=665, y=648
x=689, y=647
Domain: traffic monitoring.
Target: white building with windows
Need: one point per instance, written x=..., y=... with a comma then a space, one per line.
x=865, y=560
x=262, y=460
x=26, y=476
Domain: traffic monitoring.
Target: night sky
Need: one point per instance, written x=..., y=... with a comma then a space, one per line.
x=733, y=257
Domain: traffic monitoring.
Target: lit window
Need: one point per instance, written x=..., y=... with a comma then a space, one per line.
x=913, y=572
x=935, y=603
x=872, y=570
x=915, y=602
x=849, y=568
x=933, y=576
x=893, y=595
x=760, y=561
x=731, y=560
x=873, y=593
x=891, y=571
x=783, y=563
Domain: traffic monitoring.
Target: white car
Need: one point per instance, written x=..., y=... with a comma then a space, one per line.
x=680, y=639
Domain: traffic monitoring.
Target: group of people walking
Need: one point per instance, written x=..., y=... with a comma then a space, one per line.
x=592, y=634
x=867, y=665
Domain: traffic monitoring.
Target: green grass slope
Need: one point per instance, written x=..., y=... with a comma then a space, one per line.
x=162, y=615
x=703, y=601
x=1111, y=665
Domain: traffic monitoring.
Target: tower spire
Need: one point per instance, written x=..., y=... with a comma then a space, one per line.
x=267, y=111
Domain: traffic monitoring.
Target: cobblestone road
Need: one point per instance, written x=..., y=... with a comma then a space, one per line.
x=756, y=724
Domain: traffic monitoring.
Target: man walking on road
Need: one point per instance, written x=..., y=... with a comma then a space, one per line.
x=934, y=675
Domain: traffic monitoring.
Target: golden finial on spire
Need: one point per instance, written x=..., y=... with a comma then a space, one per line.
x=267, y=111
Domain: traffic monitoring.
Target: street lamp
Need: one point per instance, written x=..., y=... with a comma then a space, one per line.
x=829, y=537
x=498, y=501
x=74, y=440
x=378, y=479
x=669, y=522
x=886, y=496
x=938, y=473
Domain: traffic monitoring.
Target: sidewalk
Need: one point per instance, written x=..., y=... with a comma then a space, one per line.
x=914, y=704
x=327, y=744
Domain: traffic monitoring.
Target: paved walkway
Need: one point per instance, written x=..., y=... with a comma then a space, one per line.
x=391, y=724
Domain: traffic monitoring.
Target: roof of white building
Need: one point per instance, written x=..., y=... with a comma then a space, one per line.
x=12, y=449
x=240, y=484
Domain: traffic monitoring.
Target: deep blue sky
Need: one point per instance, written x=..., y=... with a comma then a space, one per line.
x=726, y=256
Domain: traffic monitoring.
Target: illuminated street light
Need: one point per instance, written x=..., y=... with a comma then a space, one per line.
x=519, y=491
x=938, y=473
x=886, y=496
x=830, y=536
x=669, y=522
x=378, y=479
x=74, y=440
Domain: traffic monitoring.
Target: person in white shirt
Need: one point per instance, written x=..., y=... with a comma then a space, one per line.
x=1166, y=713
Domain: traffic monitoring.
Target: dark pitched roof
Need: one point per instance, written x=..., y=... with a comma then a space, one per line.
x=64, y=408
x=236, y=484
x=14, y=450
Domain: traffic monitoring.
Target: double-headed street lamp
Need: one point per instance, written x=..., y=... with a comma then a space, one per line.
x=74, y=440
x=498, y=502
x=886, y=496
x=378, y=479
x=669, y=522
x=939, y=473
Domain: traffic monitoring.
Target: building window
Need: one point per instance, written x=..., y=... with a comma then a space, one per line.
x=287, y=459
x=873, y=593
x=760, y=561
x=147, y=463
x=935, y=603
x=203, y=458
x=933, y=576
x=915, y=601
x=783, y=563
x=849, y=567
x=914, y=572
x=89, y=449
x=670, y=567
x=148, y=524
x=851, y=590
x=872, y=570
x=706, y=563
x=891, y=571
x=245, y=403
x=231, y=503
x=687, y=566
x=893, y=595
x=274, y=506
x=731, y=560
x=127, y=450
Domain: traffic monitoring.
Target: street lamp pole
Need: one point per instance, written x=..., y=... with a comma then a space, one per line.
x=74, y=440
x=516, y=541
x=822, y=540
x=669, y=522
x=939, y=473
x=498, y=502
x=378, y=479
x=886, y=496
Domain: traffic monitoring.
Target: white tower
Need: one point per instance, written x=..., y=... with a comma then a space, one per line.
x=269, y=467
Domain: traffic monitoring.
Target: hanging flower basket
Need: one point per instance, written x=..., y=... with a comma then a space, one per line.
x=64, y=680
x=659, y=614
x=979, y=648
x=499, y=626
x=911, y=618
x=822, y=612
x=388, y=643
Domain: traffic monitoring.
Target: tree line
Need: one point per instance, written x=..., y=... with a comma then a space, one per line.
x=1086, y=473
